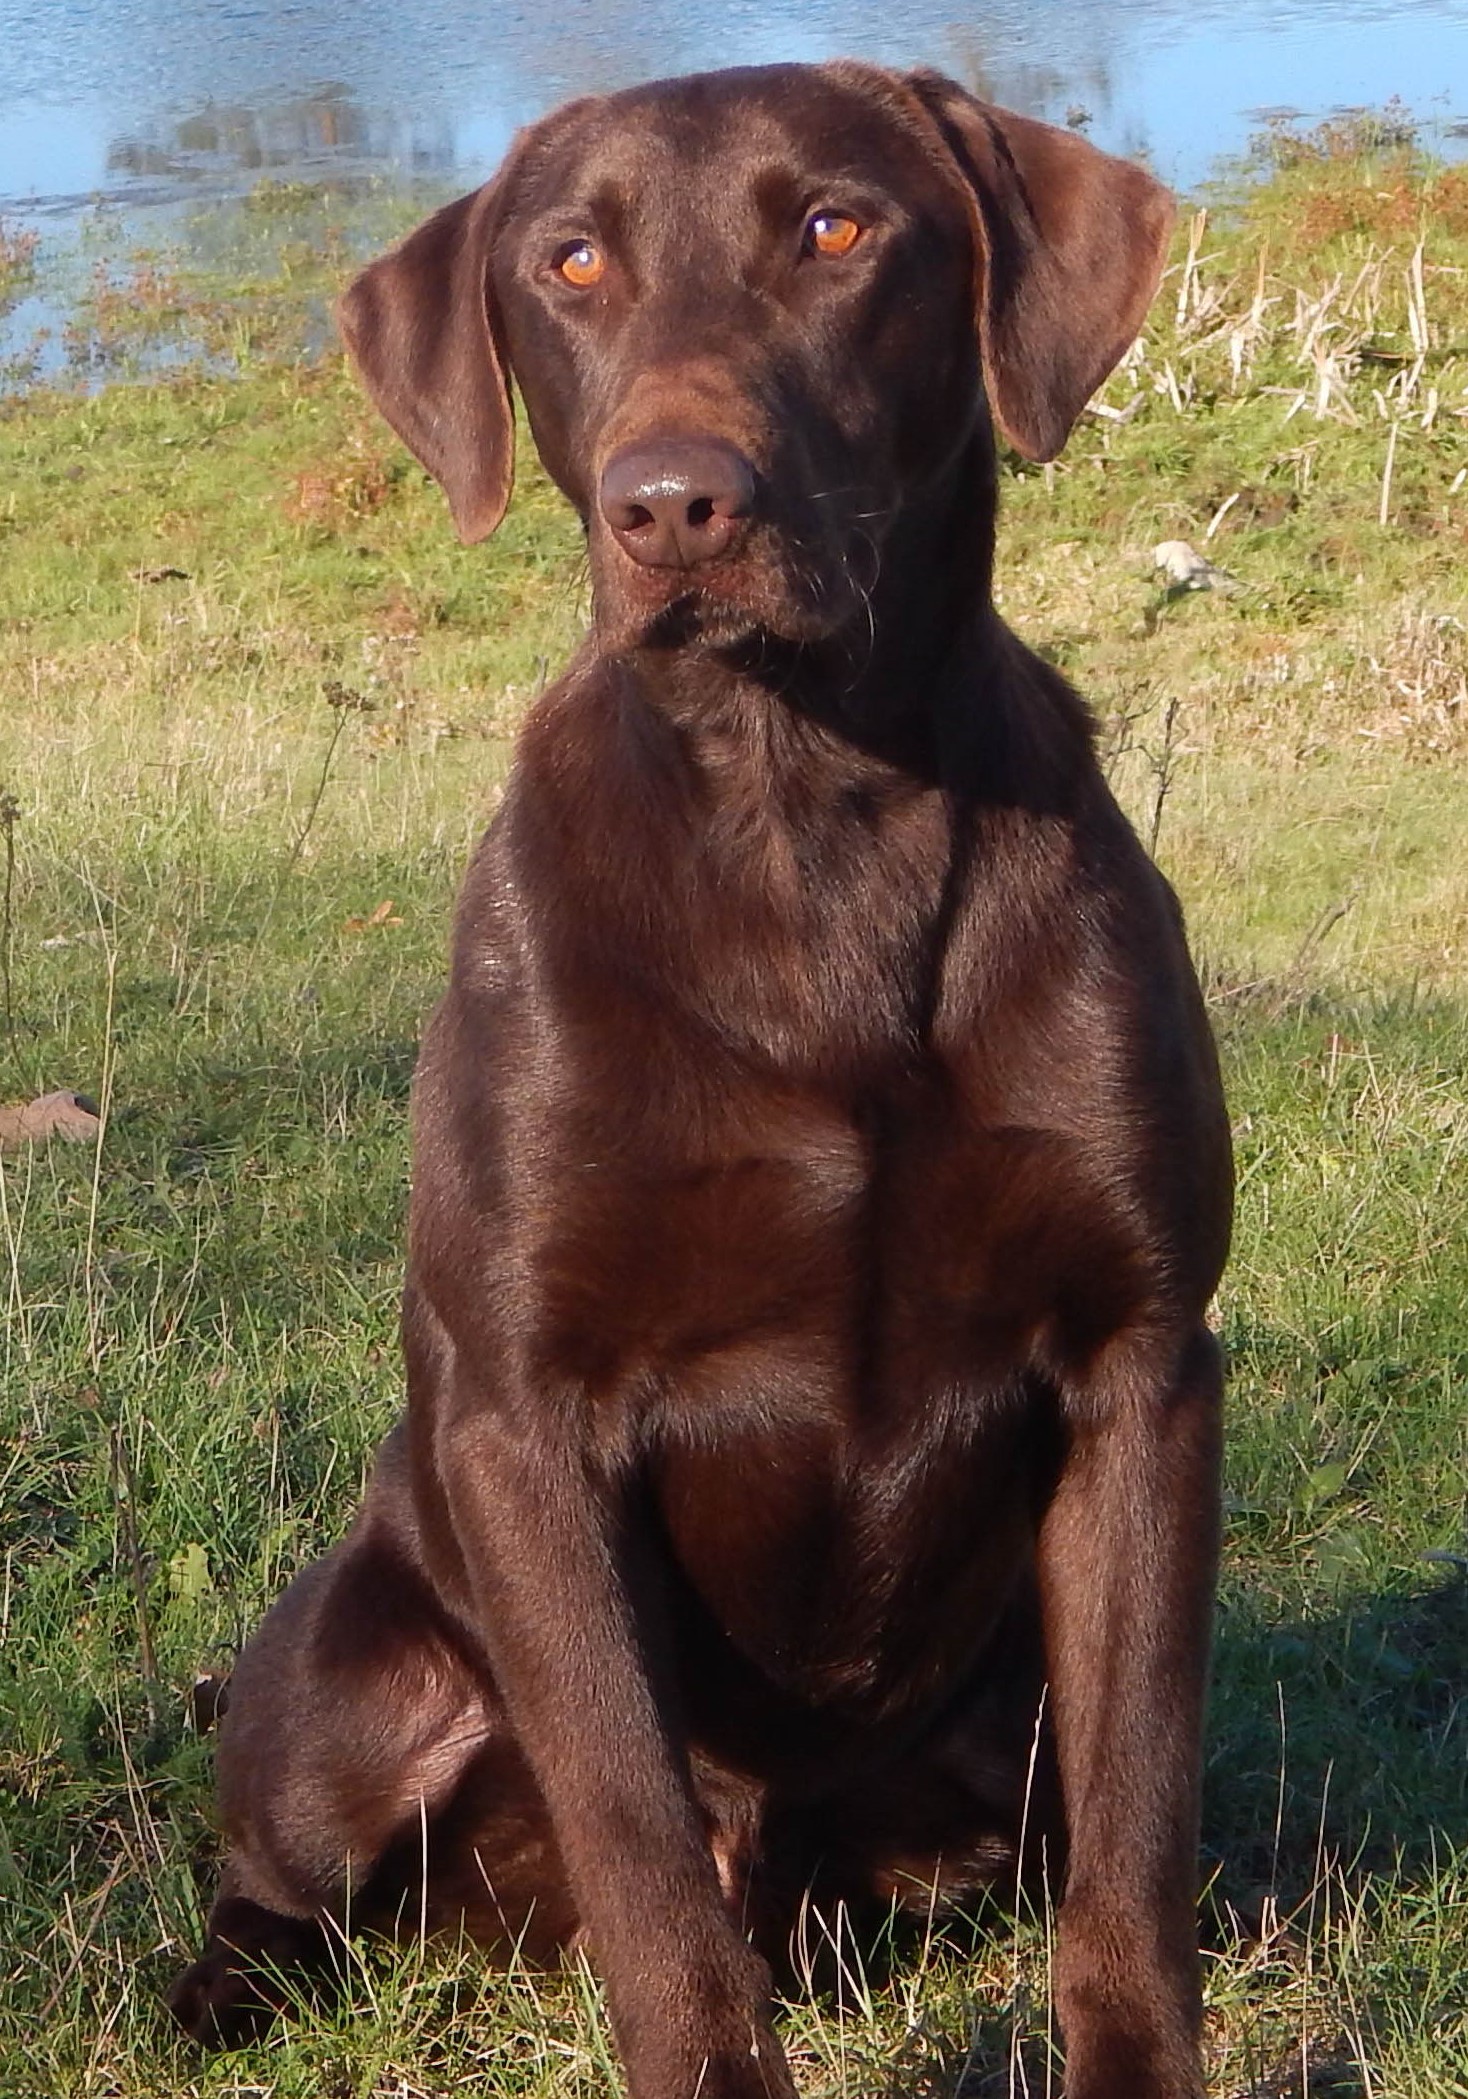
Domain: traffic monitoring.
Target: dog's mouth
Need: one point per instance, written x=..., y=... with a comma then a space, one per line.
x=774, y=585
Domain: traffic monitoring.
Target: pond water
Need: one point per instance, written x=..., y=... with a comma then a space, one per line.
x=124, y=123
x=148, y=102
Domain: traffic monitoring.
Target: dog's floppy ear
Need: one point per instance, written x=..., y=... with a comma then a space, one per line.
x=420, y=325
x=1070, y=245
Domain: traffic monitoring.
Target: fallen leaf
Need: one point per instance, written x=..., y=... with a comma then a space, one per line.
x=1186, y=569
x=1323, y=1484
x=69, y=1115
x=188, y=1573
x=382, y=916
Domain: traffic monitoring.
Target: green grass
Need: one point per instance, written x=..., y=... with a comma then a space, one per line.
x=222, y=775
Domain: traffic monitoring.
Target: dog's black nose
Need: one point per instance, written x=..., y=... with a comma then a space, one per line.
x=677, y=501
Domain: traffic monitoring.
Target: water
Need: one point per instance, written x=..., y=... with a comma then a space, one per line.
x=147, y=102
x=158, y=110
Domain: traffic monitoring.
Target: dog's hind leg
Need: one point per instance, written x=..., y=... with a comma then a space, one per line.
x=362, y=1744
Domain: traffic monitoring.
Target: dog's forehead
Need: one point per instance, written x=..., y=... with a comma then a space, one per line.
x=728, y=131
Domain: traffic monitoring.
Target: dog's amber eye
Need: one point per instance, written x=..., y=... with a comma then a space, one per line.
x=581, y=263
x=831, y=233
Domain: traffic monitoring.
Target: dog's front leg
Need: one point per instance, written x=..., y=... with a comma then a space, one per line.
x=541, y=1530
x=1127, y=1562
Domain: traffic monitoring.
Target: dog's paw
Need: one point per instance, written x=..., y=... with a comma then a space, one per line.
x=255, y=1966
x=222, y=2003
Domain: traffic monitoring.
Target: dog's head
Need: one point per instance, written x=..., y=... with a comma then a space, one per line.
x=757, y=317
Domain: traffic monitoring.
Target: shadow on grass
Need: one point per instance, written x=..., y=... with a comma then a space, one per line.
x=1336, y=1743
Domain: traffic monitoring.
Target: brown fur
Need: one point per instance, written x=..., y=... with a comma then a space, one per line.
x=820, y=1169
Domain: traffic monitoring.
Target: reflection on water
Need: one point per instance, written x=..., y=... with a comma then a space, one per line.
x=1071, y=86
x=330, y=132
x=318, y=132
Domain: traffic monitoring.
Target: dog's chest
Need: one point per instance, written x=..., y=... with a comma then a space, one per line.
x=810, y=1264
x=831, y=1331
x=853, y=1567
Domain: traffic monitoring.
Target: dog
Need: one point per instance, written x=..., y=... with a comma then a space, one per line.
x=808, y=1490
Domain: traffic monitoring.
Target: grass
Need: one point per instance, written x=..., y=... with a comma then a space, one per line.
x=17, y=261
x=254, y=705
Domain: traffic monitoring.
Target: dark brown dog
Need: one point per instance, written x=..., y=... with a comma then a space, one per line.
x=820, y=1167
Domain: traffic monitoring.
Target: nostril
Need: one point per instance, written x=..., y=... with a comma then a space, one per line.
x=674, y=502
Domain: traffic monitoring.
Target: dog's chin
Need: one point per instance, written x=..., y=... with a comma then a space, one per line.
x=725, y=612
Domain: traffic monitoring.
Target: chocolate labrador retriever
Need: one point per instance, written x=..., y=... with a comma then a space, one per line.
x=809, y=1484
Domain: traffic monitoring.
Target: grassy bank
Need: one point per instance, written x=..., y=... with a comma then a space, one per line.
x=254, y=704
